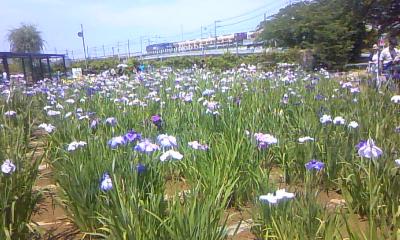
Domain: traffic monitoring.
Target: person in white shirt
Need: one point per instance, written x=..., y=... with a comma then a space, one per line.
x=373, y=59
x=390, y=55
x=4, y=76
x=390, y=58
x=375, y=53
x=113, y=73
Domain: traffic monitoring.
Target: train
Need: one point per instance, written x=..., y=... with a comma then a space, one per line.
x=203, y=43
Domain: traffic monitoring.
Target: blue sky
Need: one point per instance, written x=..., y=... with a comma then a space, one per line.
x=108, y=22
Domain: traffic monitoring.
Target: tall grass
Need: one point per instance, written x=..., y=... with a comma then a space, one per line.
x=17, y=198
x=235, y=170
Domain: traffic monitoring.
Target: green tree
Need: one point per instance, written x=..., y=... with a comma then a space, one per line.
x=25, y=38
x=325, y=26
x=334, y=29
x=384, y=15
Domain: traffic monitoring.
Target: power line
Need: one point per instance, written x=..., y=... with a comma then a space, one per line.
x=264, y=8
x=246, y=13
x=244, y=20
x=226, y=23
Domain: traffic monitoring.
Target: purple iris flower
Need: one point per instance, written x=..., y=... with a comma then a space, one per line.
x=198, y=146
x=361, y=144
x=314, y=164
x=111, y=121
x=370, y=150
x=208, y=92
x=319, y=97
x=7, y=167
x=94, y=123
x=106, y=182
x=285, y=99
x=237, y=100
x=355, y=90
x=146, y=146
x=325, y=119
x=156, y=119
x=265, y=140
x=10, y=113
x=166, y=141
x=44, y=90
x=30, y=93
x=140, y=168
x=90, y=91
x=132, y=136
x=117, y=141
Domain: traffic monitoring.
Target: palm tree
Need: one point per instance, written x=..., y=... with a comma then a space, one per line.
x=25, y=38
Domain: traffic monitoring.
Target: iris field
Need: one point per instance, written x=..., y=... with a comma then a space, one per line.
x=169, y=154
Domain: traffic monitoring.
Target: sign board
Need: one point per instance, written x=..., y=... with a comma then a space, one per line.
x=240, y=36
x=76, y=73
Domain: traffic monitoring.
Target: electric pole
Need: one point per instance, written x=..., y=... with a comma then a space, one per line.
x=80, y=34
x=215, y=32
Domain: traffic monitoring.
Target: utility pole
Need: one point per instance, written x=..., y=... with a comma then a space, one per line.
x=201, y=38
x=104, y=52
x=129, y=50
x=141, y=46
x=215, y=32
x=80, y=34
x=237, y=47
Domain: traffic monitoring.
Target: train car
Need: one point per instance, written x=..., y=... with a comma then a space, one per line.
x=240, y=36
x=203, y=43
x=160, y=48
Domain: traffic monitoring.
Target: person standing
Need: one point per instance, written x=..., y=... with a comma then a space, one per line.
x=4, y=76
x=390, y=58
x=375, y=54
x=113, y=73
x=373, y=59
x=390, y=55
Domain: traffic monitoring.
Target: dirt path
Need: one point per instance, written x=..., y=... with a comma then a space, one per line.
x=49, y=216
